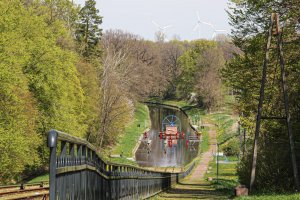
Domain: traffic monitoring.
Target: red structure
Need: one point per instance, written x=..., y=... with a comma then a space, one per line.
x=170, y=142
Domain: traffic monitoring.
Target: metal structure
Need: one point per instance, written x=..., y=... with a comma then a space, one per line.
x=274, y=30
x=77, y=171
x=215, y=31
x=171, y=130
x=198, y=25
x=172, y=121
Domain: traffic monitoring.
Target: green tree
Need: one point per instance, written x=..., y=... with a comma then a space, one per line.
x=88, y=32
x=189, y=67
x=19, y=140
x=40, y=87
x=250, y=20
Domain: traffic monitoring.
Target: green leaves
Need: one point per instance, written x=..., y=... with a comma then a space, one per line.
x=250, y=20
x=88, y=31
x=40, y=88
x=199, y=67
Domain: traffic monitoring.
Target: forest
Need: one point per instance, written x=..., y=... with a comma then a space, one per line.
x=59, y=70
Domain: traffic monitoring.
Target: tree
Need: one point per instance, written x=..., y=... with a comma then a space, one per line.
x=250, y=20
x=88, y=32
x=40, y=88
x=209, y=84
x=160, y=36
x=19, y=139
x=141, y=71
x=170, y=54
x=188, y=66
x=116, y=108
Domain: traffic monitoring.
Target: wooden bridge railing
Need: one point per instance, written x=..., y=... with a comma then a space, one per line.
x=78, y=172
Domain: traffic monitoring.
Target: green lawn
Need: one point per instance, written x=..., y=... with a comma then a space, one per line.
x=133, y=131
x=38, y=179
x=227, y=177
x=204, y=146
x=271, y=197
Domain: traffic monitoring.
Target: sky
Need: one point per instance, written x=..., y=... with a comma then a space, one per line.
x=136, y=16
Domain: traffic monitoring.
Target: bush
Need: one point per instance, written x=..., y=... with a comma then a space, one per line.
x=231, y=148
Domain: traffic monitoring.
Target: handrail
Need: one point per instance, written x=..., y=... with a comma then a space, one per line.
x=79, y=160
x=69, y=138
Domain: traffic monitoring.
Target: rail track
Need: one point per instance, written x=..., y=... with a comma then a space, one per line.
x=37, y=191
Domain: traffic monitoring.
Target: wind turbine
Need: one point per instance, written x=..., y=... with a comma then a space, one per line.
x=161, y=29
x=197, y=26
x=215, y=31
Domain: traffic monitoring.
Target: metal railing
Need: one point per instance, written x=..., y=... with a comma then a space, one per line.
x=187, y=172
x=77, y=171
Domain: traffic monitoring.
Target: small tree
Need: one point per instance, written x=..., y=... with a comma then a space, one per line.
x=88, y=32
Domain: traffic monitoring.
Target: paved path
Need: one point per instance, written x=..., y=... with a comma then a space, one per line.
x=194, y=186
x=199, y=172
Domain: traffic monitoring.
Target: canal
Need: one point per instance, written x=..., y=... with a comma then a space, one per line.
x=156, y=152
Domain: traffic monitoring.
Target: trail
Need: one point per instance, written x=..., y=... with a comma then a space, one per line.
x=194, y=186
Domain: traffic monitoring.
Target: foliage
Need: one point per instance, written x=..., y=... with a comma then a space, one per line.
x=18, y=139
x=231, y=148
x=250, y=20
x=133, y=131
x=40, y=88
x=88, y=31
x=188, y=63
x=227, y=177
x=199, y=74
x=272, y=196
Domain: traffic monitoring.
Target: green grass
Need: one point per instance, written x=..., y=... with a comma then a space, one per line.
x=133, y=131
x=271, y=197
x=224, y=124
x=204, y=146
x=227, y=179
x=38, y=179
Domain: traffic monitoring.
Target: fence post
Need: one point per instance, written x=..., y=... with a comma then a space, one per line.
x=52, y=143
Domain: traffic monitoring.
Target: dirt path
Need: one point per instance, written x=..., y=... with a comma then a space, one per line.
x=194, y=186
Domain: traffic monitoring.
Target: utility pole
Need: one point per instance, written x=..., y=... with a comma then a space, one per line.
x=276, y=30
x=260, y=104
x=286, y=106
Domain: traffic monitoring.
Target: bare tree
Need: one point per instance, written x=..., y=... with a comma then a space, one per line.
x=116, y=108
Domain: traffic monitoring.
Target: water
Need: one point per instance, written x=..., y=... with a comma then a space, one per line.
x=158, y=153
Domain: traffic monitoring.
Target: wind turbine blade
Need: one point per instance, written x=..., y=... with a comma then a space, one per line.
x=156, y=24
x=209, y=24
x=198, y=16
x=213, y=35
x=221, y=30
x=168, y=26
x=195, y=28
